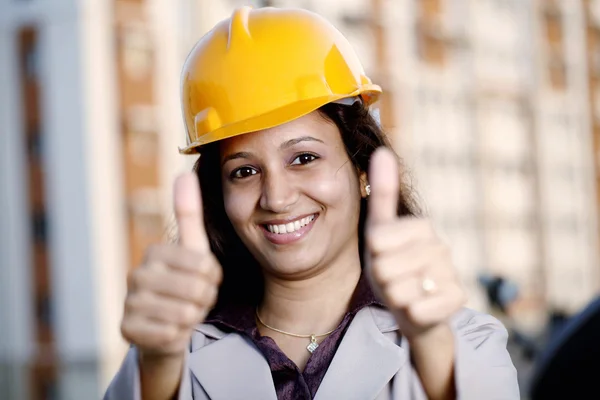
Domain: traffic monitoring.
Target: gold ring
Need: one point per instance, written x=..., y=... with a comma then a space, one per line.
x=429, y=286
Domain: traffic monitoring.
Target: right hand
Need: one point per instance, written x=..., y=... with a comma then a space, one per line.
x=177, y=285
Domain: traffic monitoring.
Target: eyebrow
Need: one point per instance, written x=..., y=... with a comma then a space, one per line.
x=284, y=145
x=241, y=154
x=293, y=142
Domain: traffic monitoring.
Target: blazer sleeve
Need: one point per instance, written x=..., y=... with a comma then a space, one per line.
x=126, y=383
x=483, y=367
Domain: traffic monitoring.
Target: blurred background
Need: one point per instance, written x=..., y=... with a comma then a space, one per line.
x=494, y=105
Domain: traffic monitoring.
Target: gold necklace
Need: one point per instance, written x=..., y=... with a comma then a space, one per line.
x=312, y=346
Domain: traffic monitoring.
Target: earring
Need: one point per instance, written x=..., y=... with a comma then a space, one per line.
x=368, y=189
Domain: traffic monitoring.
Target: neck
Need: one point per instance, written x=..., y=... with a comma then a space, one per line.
x=310, y=306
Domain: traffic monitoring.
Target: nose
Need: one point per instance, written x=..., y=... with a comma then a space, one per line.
x=279, y=192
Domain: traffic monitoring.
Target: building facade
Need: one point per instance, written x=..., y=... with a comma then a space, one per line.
x=493, y=118
x=90, y=124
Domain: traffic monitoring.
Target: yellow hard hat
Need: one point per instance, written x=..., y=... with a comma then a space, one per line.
x=265, y=67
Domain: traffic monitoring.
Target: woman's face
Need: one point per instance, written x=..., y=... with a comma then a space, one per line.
x=293, y=196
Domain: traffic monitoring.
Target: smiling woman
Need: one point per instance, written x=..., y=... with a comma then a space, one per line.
x=320, y=159
x=302, y=269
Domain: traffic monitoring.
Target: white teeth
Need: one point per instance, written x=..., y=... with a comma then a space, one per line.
x=291, y=226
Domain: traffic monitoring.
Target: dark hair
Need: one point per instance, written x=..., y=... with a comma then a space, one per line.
x=243, y=282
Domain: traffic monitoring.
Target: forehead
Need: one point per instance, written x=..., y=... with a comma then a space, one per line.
x=314, y=125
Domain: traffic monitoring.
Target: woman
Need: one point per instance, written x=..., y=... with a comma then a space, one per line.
x=332, y=288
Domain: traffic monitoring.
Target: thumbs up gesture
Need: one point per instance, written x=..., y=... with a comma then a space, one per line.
x=177, y=285
x=409, y=267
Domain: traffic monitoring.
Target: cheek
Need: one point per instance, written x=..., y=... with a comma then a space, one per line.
x=338, y=190
x=238, y=207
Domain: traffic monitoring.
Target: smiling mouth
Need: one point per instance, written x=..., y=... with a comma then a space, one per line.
x=290, y=227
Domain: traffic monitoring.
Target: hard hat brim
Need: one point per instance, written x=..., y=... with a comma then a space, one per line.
x=370, y=94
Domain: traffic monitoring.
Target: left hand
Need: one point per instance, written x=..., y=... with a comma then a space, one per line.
x=410, y=268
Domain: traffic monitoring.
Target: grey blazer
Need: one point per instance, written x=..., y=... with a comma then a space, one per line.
x=372, y=362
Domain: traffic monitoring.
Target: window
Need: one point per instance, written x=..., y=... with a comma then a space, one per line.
x=263, y=3
x=44, y=311
x=34, y=144
x=32, y=62
x=40, y=226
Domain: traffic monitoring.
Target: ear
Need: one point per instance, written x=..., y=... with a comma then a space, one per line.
x=363, y=181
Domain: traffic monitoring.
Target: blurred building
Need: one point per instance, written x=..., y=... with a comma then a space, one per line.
x=492, y=113
x=494, y=105
x=90, y=124
x=494, y=118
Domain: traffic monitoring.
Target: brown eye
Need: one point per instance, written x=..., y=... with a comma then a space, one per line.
x=243, y=172
x=304, y=159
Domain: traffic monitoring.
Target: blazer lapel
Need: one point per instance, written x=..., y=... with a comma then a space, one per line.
x=233, y=368
x=364, y=363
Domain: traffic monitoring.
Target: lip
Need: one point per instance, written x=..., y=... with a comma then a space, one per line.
x=287, y=238
x=287, y=220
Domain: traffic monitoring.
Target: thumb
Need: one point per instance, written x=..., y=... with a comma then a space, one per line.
x=187, y=202
x=384, y=179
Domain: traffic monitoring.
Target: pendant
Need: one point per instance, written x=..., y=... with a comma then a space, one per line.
x=313, y=344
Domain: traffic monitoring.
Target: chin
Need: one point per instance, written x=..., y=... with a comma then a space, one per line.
x=287, y=267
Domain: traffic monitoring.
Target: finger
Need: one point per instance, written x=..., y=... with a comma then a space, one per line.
x=385, y=184
x=187, y=202
x=401, y=233
x=438, y=307
x=149, y=334
x=186, y=261
x=180, y=286
x=390, y=266
x=401, y=293
x=164, y=309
